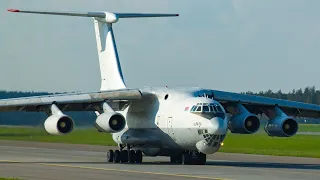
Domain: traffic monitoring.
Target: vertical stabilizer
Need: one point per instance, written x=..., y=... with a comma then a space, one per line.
x=110, y=68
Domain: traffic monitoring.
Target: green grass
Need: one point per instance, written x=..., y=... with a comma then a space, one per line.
x=309, y=127
x=299, y=145
x=9, y=178
x=78, y=136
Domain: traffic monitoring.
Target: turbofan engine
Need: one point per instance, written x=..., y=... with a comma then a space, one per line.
x=110, y=122
x=59, y=124
x=281, y=127
x=245, y=123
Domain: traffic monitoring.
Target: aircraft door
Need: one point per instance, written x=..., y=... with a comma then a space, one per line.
x=169, y=127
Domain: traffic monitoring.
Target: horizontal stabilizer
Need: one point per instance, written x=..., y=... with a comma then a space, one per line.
x=114, y=16
x=88, y=14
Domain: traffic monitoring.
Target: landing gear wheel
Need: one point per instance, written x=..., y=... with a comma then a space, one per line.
x=202, y=158
x=176, y=159
x=110, y=156
x=124, y=156
x=186, y=158
x=138, y=156
x=116, y=156
x=132, y=155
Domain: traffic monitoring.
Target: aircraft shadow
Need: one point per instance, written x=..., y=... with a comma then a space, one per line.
x=266, y=165
x=209, y=163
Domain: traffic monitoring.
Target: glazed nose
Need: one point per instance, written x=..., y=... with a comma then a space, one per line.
x=219, y=126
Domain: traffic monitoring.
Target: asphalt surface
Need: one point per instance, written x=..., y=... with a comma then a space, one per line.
x=50, y=161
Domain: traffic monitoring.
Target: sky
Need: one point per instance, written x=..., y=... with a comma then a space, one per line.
x=231, y=45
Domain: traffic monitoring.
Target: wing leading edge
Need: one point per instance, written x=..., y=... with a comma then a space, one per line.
x=69, y=101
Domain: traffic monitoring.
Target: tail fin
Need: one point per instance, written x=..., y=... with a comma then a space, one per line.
x=110, y=68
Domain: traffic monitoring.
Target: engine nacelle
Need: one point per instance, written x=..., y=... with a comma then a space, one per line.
x=281, y=127
x=244, y=123
x=59, y=124
x=110, y=122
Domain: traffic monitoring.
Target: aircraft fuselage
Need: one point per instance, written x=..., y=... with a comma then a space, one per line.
x=166, y=121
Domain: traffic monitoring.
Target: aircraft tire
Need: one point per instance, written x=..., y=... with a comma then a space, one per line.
x=138, y=156
x=116, y=156
x=202, y=158
x=132, y=156
x=176, y=159
x=110, y=156
x=124, y=156
x=186, y=159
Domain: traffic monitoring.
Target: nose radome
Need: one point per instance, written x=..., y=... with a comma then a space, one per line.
x=219, y=126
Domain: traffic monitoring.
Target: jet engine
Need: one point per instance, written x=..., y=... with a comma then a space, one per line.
x=244, y=123
x=281, y=127
x=58, y=124
x=110, y=122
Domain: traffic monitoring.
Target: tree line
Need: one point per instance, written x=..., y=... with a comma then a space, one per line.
x=308, y=95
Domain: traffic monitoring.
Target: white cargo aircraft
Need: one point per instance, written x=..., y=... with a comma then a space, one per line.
x=183, y=124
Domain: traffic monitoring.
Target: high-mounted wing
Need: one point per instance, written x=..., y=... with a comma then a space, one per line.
x=258, y=104
x=70, y=101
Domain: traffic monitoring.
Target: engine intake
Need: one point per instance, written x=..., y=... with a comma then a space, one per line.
x=110, y=122
x=59, y=124
x=245, y=123
x=281, y=127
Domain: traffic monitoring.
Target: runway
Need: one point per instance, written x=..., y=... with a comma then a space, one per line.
x=49, y=161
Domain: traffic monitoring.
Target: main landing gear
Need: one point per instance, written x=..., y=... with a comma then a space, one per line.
x=124, y=156
x=189, y=158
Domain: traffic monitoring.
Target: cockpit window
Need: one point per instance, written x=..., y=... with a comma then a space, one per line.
x=215, y=108
x=219, y=109
x=208, y=109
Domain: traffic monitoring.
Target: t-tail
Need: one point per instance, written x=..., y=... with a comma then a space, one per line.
x=110, y=68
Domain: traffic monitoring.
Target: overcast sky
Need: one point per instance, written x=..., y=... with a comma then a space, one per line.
x=233, y=45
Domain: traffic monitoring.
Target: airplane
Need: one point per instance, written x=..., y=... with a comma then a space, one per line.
x=185, y=124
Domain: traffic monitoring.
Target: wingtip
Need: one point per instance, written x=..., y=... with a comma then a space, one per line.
x=13, y=10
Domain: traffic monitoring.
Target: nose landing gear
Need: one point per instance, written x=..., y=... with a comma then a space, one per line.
x=124, y=156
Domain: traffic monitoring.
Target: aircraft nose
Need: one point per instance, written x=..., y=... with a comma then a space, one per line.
x=219, y=126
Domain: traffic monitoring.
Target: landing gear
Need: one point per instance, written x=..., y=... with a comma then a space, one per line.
x=124, y=156
x=176, y=159
x=189, y=158
x=117, y=156
x=110, y=156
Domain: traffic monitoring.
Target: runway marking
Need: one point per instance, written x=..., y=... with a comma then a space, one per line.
x=120, y=170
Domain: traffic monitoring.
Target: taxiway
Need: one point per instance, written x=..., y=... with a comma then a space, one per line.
x=48, y=161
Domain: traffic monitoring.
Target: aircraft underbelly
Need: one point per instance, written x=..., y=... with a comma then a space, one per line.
x=151, y=137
